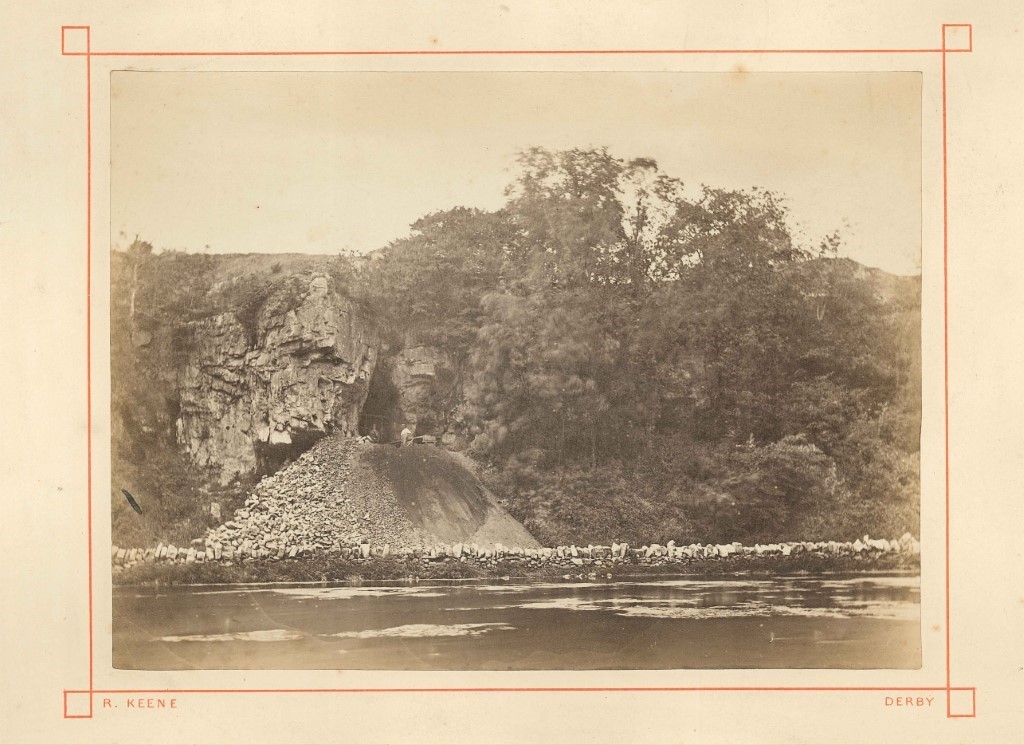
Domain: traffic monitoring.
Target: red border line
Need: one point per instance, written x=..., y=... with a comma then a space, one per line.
x=87, y=715
x=974, y=705
x=552, y=689
x=89, y=54
x=88, y=347
x=945, y=347
x=505, y=52
x=88, y=330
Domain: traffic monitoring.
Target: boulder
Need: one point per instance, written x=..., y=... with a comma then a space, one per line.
x=280, y=437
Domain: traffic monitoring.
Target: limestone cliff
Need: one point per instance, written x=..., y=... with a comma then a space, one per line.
x=427, y=389
x=302, y=371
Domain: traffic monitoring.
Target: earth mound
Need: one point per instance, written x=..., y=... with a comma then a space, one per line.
x=442, y=498
x=343, y=492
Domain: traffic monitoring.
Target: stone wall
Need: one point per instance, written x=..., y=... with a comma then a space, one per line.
x=201, y=550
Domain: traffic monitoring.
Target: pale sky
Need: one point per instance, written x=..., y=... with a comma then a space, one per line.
x=319, y=162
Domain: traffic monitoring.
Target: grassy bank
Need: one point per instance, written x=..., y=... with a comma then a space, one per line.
x=333, y=569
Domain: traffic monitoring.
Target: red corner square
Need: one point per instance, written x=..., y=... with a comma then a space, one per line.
x=961, y=703
x=74, y=40
x=77, y=705
x=957, y=37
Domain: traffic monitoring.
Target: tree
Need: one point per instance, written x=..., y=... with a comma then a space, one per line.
x=542, y=365
x=429, y=285
x=593, y=218
x=655, y=213
x=139, y=253
x=564, y=206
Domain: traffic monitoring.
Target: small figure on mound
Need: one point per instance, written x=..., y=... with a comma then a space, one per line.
x=406, y=436
x=375, y=434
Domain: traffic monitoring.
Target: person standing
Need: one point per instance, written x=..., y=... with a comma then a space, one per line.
x=406, y=436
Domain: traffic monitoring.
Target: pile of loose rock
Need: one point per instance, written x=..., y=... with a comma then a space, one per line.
x=247, y=550
x=330, y=503
x=326, y=499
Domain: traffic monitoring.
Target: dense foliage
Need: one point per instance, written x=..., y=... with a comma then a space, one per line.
x=639, y=364
x=633, y=362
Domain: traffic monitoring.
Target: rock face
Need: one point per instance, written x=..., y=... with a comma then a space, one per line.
x=414, y=372
x=303, y=371
x=429, y=395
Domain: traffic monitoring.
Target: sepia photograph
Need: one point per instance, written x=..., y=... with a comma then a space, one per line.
x=515, y=370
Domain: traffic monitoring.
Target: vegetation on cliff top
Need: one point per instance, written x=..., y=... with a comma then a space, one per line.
x=631, y=360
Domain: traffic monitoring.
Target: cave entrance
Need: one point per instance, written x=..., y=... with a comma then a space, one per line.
x=382, y=412
x=271, y=458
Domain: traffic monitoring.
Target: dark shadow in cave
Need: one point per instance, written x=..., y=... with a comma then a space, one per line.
x=271, y=458
x=382, y=409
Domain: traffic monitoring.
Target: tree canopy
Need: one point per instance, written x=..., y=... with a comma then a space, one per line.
x=607, y=311
x=631, y=355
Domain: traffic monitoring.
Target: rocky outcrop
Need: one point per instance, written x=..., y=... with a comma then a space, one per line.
x=414, y=374
x=302, y=371
x=429, y=396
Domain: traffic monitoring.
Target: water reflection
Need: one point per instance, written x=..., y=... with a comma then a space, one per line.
x=829, y=621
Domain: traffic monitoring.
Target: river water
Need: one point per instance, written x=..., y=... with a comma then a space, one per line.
x=833, y=621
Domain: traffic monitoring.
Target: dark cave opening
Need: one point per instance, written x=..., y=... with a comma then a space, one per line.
x=272, y=457
x=381, y=415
